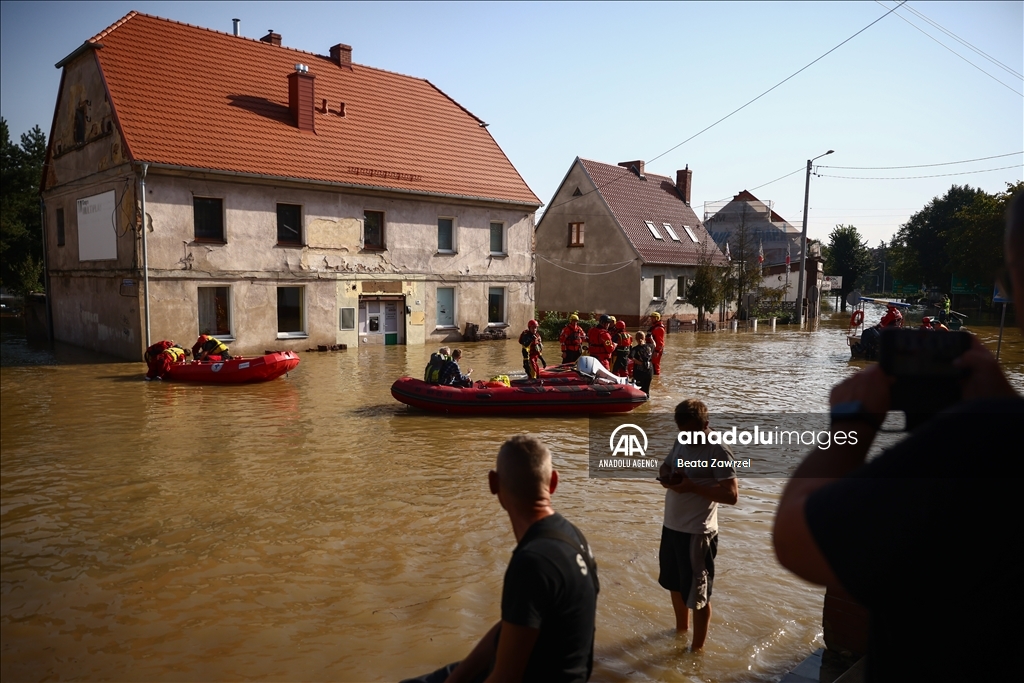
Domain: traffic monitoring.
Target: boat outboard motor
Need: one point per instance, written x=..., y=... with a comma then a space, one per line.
x=591, y=368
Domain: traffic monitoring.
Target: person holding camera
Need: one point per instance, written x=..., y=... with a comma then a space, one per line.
x=921, y=535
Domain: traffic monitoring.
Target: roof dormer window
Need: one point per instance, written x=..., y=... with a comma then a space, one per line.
x=654, y=230
x=670, y=231
x=690, y=233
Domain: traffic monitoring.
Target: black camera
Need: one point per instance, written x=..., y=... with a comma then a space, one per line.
x=921, y=361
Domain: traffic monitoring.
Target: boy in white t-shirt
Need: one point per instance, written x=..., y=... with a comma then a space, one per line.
x=689, y=537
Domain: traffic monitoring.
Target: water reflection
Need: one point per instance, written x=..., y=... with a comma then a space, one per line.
x=313, y=528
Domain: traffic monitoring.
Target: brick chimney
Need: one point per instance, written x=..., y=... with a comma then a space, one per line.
x=638, y=164
x=341, y=55
x=272, y=38
x=684, y=180
x=301, y=98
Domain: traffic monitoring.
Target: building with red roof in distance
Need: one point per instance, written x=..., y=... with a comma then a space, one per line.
x=618, y=240
x=290, y=199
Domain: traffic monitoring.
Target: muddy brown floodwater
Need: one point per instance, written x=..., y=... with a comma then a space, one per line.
x=311, y=528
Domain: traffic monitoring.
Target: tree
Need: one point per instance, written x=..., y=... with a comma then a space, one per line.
x=975, y=243
x=925, y=239
x=21, y=232
x=849, y=257
x=706, y=291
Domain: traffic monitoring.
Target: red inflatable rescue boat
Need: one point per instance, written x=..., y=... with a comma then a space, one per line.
x=235, y=371
x=524, y=397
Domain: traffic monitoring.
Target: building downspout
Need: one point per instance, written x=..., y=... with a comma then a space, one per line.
x=145, y=255
x=46, y=272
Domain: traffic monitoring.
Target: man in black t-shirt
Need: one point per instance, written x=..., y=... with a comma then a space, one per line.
x=549, y=600
x=923, y=535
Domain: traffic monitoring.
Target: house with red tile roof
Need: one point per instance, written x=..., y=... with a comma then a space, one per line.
x=199, y=181
x=618, y=240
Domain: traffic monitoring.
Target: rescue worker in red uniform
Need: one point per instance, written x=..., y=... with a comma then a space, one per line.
x=657, y=333
x=571, y=339
x=532, y=349
x=892, y=317
x=600, y=341
x=208, y=347
x=928, y=323
x=161, y=362
x=156, y=349
x=621, y=355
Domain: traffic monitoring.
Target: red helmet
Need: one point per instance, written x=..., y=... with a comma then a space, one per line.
x=620, y=324
x=532, y=323
x=926, y=320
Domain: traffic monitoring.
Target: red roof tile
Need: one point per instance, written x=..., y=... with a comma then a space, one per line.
x=193, y=97
x=634, y=200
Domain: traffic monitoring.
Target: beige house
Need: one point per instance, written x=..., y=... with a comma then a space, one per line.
x=290, y=199
x=617, y=240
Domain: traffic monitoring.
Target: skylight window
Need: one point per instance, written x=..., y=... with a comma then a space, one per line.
x=654, y=230
x=670, y=231
x=690, y=233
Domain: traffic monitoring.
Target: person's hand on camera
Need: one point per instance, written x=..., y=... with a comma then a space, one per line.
x=870, y=386
x=983, y=376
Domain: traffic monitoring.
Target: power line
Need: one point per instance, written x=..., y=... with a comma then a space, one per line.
x=944, y=163
x=725, y=199
x=739, y=109
x=953, y=51
x=671, y=149
x=965, y=43
x=914, y=177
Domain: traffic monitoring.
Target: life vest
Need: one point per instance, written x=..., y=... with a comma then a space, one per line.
x=601, y=344
x=432, y=373
x=571, y=338
x=210, y=345
x=530, y=341
x=176, y=353
x=657, y=331
x=622, y=340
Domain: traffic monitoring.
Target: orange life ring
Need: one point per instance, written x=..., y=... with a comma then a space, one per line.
x=857, y=318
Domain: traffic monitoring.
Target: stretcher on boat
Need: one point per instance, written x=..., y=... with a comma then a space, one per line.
x=235, y=371
x=562, y=396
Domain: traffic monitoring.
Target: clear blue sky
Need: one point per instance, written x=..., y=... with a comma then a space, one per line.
x=613, y=82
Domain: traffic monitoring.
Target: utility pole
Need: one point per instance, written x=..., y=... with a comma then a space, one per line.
x=803, y=244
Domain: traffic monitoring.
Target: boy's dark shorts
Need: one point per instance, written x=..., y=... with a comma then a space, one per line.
x=687, y=563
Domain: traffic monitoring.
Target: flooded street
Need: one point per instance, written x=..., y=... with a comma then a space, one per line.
x=312, y=528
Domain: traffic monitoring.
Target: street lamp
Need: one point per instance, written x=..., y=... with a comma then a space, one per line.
x=803, y=244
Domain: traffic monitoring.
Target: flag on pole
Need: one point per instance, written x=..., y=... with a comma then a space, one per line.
x=760, y=252
x=728, y=256
x=787, y=254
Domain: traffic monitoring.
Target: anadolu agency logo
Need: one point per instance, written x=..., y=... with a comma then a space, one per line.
x=628, y=447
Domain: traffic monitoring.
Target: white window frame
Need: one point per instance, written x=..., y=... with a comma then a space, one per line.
x=230, y=336
x=654, y=230
x=670, y=231
x=504, y=238
x=689, y=232
x=455, y=310
x=296, y=334
x=504, y=302
x=659, y=279
x=455, y=244
x=681, y=290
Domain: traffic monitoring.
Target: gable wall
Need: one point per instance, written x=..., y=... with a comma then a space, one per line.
x=607, y=268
